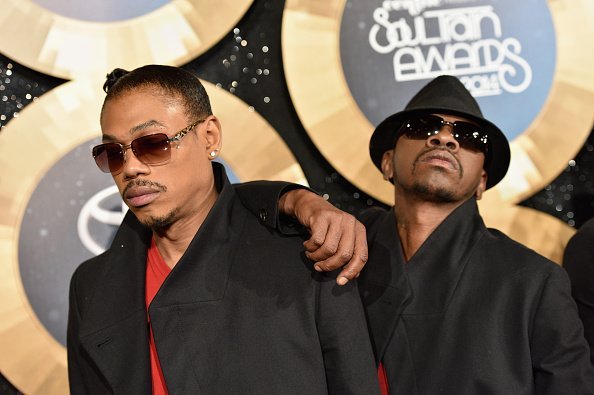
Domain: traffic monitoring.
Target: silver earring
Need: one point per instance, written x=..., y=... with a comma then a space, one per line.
x=213, y=154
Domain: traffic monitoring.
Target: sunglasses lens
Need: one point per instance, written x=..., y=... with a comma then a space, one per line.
x=470, y=137
x=422, y=127
x=152, y=149
x=109, y=157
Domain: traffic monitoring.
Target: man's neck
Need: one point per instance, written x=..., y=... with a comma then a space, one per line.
x=416, y=219
x=173, y=241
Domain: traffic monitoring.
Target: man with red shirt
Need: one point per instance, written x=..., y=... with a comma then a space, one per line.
x=195, y=295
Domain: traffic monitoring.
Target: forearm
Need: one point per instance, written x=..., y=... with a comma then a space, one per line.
x=337, y=238
x=289, y=200
x=263, y=199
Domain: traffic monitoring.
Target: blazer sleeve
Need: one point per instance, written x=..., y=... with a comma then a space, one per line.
x=578, y=261
x=348, y=356
x=261, y=199
x=560, y=354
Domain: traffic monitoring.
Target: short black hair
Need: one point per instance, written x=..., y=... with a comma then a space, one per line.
x=170, y=80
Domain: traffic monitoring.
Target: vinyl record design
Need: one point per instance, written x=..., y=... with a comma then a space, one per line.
x=161, y=32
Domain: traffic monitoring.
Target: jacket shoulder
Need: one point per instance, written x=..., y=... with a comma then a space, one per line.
x=84, y=280
x=516, y=256
x=91, y=268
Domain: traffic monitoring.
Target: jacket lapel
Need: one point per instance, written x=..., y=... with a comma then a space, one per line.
x=436, y=268
x=114, y=330
x=383, y=284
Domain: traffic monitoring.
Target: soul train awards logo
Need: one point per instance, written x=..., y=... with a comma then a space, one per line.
x=497, y=49
x=468, y=42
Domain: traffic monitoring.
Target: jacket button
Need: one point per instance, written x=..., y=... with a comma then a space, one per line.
x=263, y=215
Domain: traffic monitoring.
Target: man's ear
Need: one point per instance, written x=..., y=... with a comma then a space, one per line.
x=482, y=185
x=388, y=165
x=213, y=133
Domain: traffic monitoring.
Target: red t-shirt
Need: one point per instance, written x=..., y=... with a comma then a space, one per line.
x=156, y=273
x=383, y=380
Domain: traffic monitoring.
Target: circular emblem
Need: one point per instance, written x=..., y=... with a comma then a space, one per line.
x=351, y=64
x=90, y=38
x=59, y=210
x=487, y=44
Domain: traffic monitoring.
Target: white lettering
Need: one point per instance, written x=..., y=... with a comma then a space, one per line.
x=513, y=48
x=414, y=7
x=465, y=42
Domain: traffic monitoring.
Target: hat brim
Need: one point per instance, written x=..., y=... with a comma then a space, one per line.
x=496, y=163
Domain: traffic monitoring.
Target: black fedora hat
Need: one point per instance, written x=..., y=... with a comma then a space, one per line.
x=444, y=95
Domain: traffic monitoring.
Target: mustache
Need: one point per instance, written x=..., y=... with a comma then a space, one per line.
x=144, y=183
x=444, y=149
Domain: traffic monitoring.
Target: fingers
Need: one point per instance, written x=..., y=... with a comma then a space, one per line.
x=333, y=239
x=359, y=258
x=355, y=260
x=337, y=240
x=333, y=245
x=339, y=244
x=319, y=231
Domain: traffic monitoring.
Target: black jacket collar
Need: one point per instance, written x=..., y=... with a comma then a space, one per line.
x=436, y=268
x=391, y=287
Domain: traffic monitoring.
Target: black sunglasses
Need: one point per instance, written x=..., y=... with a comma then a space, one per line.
x=468, y=135
x=153, y=149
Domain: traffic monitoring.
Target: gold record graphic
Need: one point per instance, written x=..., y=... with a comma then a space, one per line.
x=339, y=129
x=31, y=144
x=68, y=48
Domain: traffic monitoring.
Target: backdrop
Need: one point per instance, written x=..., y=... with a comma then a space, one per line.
x=299, y=86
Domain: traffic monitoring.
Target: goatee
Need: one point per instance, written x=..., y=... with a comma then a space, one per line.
x=158, y=224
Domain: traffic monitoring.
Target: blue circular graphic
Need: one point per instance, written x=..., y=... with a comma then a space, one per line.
x=101, y=10
x=49, y=244
x=504, y=51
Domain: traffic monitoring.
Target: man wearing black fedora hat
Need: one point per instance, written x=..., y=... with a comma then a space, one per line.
x=452, y=306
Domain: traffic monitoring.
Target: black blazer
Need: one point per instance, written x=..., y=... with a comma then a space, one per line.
x=473, y=312
x=487, y=315
x=241, y=313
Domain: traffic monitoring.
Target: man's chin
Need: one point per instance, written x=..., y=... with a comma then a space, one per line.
x=156, y=222
x=436, y=193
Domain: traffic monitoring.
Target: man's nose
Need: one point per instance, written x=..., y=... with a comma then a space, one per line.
x=445, y=138
x=133, y=166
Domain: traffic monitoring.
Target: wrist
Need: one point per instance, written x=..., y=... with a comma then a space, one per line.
x=290, y=201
